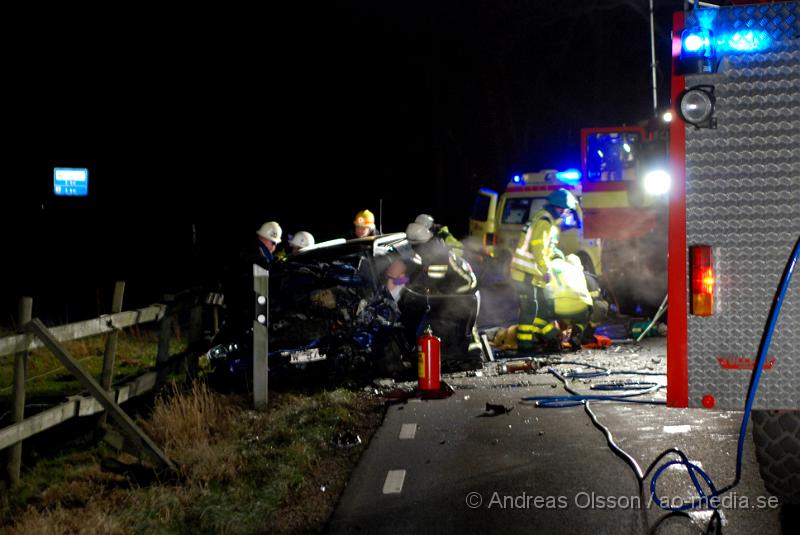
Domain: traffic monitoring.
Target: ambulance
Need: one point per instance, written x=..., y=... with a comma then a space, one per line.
x=498, y=218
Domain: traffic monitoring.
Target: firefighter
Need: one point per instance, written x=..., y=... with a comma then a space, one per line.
x=441, y=232
x=443, y=293
x=531, y=271
x=364, y=224
x=300, y=241
x=269, y=236
x=441, y=269
x=237, y=277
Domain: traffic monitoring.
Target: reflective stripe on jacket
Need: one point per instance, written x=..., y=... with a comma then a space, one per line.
x=535, y=248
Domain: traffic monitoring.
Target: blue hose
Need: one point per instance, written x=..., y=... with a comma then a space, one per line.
x=553, y=402
x=766, y=339
x=705, y=498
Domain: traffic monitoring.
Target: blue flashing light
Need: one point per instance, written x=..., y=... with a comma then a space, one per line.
x=600, y=153
x=693, y=42
x=697, y=43
x=705, y=17
x=570, y=176
x=744, y=41
x=517, y=179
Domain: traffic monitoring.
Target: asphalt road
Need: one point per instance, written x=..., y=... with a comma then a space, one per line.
x=443, y=466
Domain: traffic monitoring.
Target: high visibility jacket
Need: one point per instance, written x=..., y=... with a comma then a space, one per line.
x=447, y=237
x=442, y=270
x=537, y=245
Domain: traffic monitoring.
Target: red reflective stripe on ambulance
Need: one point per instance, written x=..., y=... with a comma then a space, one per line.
x=543, y=187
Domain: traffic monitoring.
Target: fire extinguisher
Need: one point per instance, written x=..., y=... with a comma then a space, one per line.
x=430, y=372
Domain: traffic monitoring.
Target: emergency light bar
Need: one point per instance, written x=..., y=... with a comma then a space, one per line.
x=570, y=176
x=745, y=41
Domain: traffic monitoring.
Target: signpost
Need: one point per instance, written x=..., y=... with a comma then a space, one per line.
x=260, y=336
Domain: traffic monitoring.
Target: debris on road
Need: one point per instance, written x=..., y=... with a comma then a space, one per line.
x=496, y=410
x=384, y=383
x=516, y=366
x=346, y=439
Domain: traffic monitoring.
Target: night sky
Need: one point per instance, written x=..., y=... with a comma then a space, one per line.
x=226, y=118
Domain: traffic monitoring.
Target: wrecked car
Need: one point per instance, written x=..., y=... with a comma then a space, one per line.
x=330, y=313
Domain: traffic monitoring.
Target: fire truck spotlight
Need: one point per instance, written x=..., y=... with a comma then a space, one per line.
x=696, y=106
x=667, y=117
x=657, y=182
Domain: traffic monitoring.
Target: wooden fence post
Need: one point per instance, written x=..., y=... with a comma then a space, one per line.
x=20, y=371
x=195, y=335
x=164, y=338
x=137, y=436
x=110, y=355
x=194, y=340
x=260, y=336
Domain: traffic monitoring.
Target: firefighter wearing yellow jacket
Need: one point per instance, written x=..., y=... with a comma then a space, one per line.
x=531, y=271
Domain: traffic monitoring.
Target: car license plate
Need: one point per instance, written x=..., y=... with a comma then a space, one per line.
x=306, y=355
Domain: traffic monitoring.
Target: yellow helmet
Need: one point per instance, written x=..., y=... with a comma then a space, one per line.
x=365, y=218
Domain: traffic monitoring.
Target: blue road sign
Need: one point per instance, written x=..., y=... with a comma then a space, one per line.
x=70, y=181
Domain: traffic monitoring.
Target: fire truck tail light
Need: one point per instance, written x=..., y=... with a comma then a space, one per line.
x=703, y=280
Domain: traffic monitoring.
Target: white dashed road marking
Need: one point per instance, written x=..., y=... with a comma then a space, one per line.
x=408, y=431
x=394, y=482
x=677, y=428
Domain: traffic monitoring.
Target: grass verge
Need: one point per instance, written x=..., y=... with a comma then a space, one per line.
x=241, y=471
x=48, y=382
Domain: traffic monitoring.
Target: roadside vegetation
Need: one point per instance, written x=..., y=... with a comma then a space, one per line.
x=241, y=471
x=49, y=383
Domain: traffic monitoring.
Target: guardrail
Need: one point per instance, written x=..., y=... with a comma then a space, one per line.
x=33, y=334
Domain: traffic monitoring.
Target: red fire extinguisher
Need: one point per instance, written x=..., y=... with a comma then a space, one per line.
x=430, y=373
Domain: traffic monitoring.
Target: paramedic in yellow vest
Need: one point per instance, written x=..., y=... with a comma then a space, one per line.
x=530, y=270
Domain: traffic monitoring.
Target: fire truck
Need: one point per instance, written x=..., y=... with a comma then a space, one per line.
x=734, y=223
x=624, y=185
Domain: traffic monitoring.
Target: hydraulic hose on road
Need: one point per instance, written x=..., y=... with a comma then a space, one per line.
x=704, y=498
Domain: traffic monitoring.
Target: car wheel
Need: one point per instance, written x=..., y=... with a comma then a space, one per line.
x=777, y=438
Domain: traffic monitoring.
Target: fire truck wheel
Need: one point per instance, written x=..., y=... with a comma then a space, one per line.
x=777, y=438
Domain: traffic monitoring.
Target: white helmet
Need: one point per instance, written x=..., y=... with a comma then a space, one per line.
x=418, y=233
x=271, y=231
x=425, y=220
x=301, y=240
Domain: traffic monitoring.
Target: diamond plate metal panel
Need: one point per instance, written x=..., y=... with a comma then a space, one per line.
x=743, y=198
x=779, y=20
